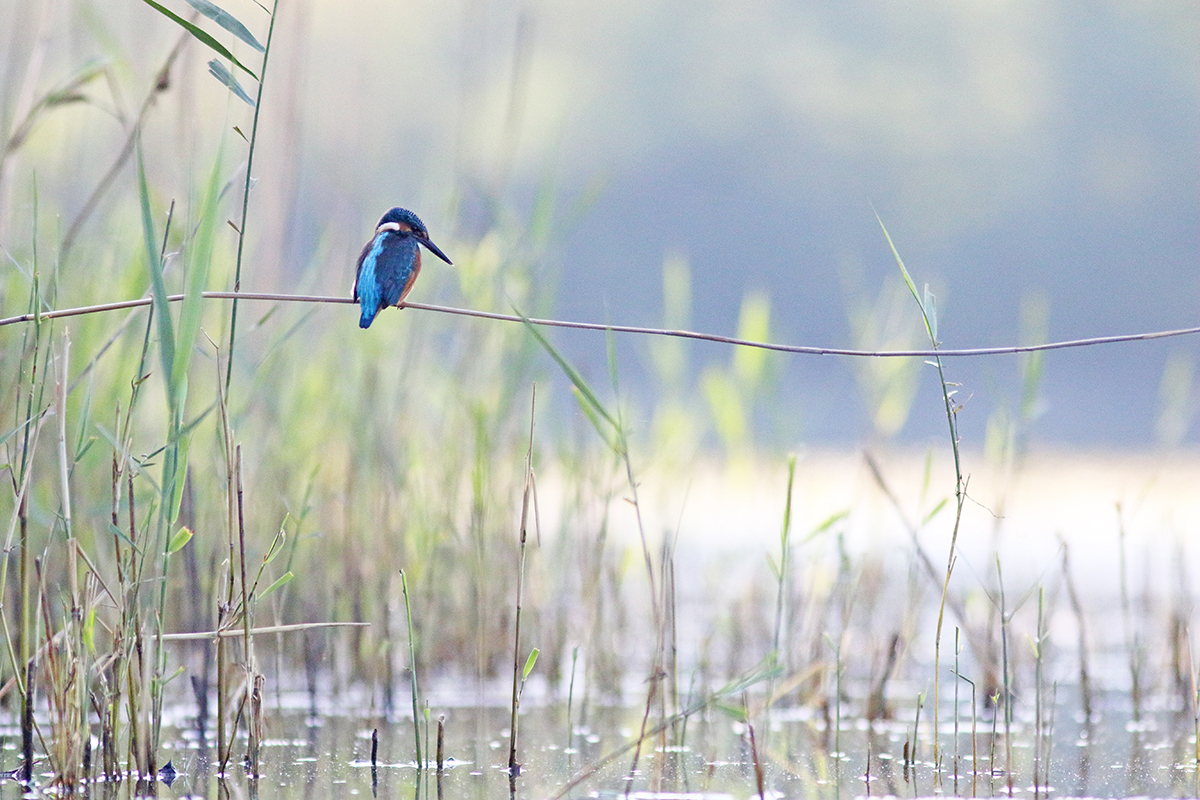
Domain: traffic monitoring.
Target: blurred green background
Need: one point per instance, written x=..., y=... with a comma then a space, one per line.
x=1024, y=156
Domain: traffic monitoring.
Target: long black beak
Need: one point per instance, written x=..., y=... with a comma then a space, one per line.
x=433, y=248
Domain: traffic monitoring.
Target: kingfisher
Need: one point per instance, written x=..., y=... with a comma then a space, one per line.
x=389, y=264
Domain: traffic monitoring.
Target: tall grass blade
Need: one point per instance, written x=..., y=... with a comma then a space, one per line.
x=158, y=286
x=279, y=583
x=583, y=390
x=603, y=430
x=199, y=264
x=226, y=21
x=781, y=573
x=222, y=73
x=908, y=281
x=200, y=34
x=930, y=308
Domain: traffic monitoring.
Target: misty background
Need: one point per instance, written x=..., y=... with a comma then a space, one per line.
x=1031, y=160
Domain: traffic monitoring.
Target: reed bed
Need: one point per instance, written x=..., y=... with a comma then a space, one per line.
x=213, y=502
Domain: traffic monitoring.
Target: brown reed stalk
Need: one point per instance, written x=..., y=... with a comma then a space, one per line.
x=34, y=416
x=758, y=767
x=441, y=742
x=965, y=352
x=24, y=669
x=253, y=680
x=225, y=595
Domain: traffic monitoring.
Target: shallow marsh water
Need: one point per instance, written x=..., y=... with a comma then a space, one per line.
x=328, y=756
x=722, y=629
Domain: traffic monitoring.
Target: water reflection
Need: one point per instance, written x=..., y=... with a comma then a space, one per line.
x=339, y=756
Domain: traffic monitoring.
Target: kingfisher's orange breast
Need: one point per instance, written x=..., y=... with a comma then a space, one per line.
x=416, y=270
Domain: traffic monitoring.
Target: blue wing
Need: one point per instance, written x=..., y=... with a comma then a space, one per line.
x=384, y=268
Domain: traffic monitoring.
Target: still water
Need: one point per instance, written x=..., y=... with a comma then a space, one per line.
x=803, y=753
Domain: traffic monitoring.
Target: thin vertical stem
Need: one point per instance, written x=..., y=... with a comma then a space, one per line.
x=237, y=273
x=957, y=651
x=251, y=668
x=412, y=663
x=1008, y=697
x=1039, y=660
x=513, y=766
x=1132, y=644
x=784, y=553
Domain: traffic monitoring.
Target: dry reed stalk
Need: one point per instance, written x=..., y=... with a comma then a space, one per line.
x=966, y=352
x=252, y=678
x=441, y=742
x=758, y=767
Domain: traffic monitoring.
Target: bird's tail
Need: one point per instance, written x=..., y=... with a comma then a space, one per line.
x=367, y=318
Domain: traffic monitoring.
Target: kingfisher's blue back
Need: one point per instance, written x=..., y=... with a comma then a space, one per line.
x=389, y=264
x=387, y=267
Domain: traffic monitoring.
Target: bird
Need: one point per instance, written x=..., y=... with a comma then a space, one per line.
x=390, y=263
